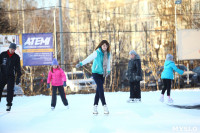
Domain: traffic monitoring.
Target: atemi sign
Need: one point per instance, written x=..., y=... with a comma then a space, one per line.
x=37, y=49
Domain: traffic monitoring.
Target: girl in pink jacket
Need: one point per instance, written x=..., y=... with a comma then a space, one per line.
x=57, y=78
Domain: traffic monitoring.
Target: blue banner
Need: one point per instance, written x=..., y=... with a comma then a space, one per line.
x=37, y=40
x=37, y=59
x=37, y=49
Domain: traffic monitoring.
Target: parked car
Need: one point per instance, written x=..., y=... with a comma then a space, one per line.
x=79, y=81
x=149, y=81
x=17, y=91
x=189, y=78
x=197, y=70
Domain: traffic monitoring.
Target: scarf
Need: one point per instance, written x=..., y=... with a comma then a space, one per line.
x=105, y=62
x=9, y=54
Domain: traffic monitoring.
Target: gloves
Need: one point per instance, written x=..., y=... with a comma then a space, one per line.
x=48, y=86
x=64, y=85
x=17, y=81
x=78, y=65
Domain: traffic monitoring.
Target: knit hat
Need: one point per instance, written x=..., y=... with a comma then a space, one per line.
x=13, y=46
x=169, y=57
x=55, y=62
x=132, y=52
x=136, y=55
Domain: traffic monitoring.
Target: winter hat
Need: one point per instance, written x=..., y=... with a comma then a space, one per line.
x=136, y=55
x=169, y=57
x=132, y=52
x=13, y=46
x=55, y=62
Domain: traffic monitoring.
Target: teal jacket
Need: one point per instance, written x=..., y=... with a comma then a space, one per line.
x=169, y=66
x=97, y=66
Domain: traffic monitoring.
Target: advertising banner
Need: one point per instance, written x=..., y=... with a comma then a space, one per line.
x=5, y=41
x=37, y=49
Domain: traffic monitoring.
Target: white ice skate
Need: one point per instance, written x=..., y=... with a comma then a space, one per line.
x=162, y=98
x=105, y=109
x=137, y=100
x=67, y=106
x=95, y=109
x=8, y=108
x=52, y=108
x=170, y=100
x=131, y=100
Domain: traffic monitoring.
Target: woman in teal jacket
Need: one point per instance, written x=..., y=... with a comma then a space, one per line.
x=167, y=75
x=100, y=70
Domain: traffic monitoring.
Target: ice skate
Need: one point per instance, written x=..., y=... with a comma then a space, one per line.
x=8, y=108
x=105, y=109
x=131, y=100
x=162, y=98
x=170, y=100
x=137, y=99
x=52, y=108
x=95, y=109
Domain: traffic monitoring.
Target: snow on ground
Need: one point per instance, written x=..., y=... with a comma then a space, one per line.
x=32, y=114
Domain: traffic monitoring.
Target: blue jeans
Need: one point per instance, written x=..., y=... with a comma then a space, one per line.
x=99, y=80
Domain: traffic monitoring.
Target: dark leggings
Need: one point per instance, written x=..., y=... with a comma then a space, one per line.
x=10, y=88
x=99, y=80
x=167, y=86
x=62, y=95
x=135, y=91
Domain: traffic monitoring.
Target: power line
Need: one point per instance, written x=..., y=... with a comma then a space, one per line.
x=114, y=31
x=96, y=12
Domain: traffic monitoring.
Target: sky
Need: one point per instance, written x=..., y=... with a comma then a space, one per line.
x=46, y=3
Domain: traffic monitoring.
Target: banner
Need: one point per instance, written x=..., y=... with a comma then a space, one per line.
x=37, y=49
x=5, y=41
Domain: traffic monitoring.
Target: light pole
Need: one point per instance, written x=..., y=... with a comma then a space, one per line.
x=176, y=2
x=176, y=28
x=61, y=36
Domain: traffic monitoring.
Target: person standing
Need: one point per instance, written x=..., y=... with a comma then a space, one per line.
x=9, y=69
x=134, y=76
x=167, y=76
x=57, y=78
x=100, y=70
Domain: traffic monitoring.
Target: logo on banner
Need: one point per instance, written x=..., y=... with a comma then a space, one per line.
x=37, y=41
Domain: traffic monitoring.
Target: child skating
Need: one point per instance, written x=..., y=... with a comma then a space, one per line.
x=100, y=69
x=167, y=75
x=57, y=78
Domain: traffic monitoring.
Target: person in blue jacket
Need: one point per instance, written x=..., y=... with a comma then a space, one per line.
x=100, y=70
x=167, y=75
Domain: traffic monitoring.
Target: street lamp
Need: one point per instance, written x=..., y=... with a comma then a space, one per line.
x=176, y=2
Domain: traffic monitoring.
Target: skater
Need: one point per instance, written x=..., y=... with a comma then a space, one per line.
x=100, y=70
x=57, y=78
x=9, y=68
x=167, y=76
x=134, y=76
